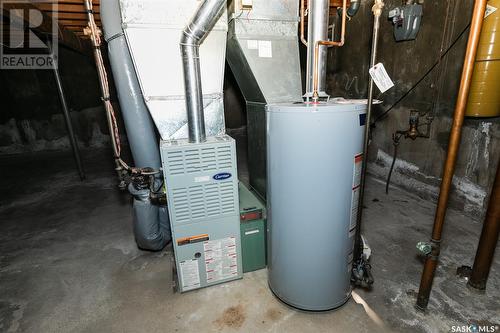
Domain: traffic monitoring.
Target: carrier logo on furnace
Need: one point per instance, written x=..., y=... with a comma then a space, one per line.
x=222, y=176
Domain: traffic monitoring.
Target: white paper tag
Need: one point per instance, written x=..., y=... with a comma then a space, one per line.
x=265, y=49
x=489, y=10
x=381, y=78
x=252, y=44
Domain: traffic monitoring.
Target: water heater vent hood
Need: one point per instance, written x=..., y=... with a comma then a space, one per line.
x=263, y=53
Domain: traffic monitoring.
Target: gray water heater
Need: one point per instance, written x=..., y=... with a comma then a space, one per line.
x=314, y=156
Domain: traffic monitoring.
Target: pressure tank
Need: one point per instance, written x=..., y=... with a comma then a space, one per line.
x=314, y=156
x=484, y=96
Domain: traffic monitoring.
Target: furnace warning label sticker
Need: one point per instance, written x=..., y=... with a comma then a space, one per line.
x=356, y=183
x=190, y=274
x=221, y=261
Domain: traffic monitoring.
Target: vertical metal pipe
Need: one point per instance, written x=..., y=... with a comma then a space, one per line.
x=302, y=22
x=451, y=158
x=488, y=240
x=326, y=43
x=317, y=30
x=377, y=12
x=67, y=118
x=193, y=35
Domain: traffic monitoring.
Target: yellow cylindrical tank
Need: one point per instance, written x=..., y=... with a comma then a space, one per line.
x=484, y=95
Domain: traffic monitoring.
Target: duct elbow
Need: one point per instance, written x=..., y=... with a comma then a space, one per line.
x=189, y=39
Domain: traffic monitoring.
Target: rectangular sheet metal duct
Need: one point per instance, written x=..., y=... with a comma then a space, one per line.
x=263, y=53
x=159, y=66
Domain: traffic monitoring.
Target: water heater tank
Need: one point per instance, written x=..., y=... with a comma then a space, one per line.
x=314, y=156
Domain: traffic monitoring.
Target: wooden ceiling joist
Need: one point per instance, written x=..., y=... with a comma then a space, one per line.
x=71, y=14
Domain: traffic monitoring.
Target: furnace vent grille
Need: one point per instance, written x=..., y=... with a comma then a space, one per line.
x=193, y=192
x=195, y=160
x=201, y=201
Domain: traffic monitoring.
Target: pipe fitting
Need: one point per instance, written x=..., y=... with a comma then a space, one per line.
x=377, y=8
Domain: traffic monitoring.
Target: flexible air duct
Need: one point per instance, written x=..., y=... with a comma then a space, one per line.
x=150, y=233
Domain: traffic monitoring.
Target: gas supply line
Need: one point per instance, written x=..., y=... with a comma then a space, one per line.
x=431, y=250
x=94, y=33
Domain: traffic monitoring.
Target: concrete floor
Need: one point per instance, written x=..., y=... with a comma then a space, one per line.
x=69, y=263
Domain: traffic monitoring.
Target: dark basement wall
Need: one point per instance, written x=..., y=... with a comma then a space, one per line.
x=420, y=162
x=31, y=114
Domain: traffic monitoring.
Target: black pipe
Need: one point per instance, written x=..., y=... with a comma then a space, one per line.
x=67, y=117
x=352, y=10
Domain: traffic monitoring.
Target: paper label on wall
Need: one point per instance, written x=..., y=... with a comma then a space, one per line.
x=253, y=44
x=489, y=10
x=381, y=78
x=221, y=260
x=265, y=49
x=190, y=274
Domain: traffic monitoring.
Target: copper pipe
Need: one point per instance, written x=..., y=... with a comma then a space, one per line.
x=488, y=240
x=302, y=22
x=451, y=158
x=327, y=44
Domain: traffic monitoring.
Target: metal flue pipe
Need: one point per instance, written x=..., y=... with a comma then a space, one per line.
x=327, y=43
x=317, y=30
x=488, y=240
x=451, y=158
x=193, y=35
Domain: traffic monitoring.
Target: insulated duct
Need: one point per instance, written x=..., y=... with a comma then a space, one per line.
x=193, y=35
x=150, y=233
